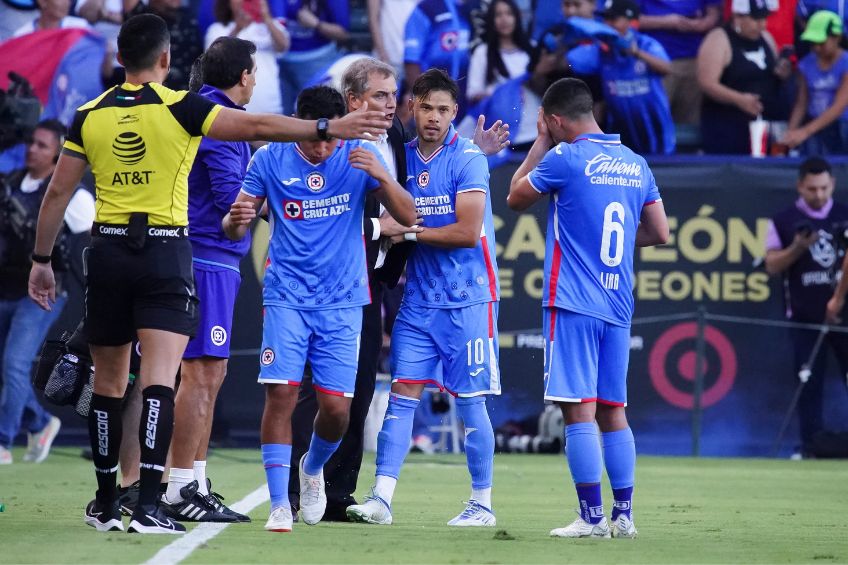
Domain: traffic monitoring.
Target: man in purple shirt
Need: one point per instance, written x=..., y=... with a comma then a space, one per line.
x=228, y=73
x=803, y=245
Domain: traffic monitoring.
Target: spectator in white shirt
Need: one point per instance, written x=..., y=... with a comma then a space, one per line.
x=52, y=14
x=504, y=53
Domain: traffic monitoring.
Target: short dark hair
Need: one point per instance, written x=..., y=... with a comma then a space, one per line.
x=141, y=40
x=55, y=126
x=813, y=166
x=222, y=64
x=569, y=98
x=433, y=80
x=320, y=102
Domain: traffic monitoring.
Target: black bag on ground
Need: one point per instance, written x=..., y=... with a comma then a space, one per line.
x=51, y=352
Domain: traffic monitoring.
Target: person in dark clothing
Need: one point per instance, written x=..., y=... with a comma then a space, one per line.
x=803, y=244
x=367, y=80
x=740, y=74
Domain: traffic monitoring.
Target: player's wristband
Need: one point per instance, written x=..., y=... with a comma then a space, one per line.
x=410, y=236
x=43, y=259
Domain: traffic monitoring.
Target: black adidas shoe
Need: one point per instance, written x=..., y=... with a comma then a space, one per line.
x=103, y=517
x=152, y=520
x=128, y=498
x=217, y=501
x=194, y=507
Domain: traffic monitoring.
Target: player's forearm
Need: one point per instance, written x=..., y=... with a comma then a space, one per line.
x=397, y=201
x=647, y=236
x=451, y=236
x=537, y=152
x=232, y=230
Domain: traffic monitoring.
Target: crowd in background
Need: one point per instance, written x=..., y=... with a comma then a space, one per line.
x=684, y=76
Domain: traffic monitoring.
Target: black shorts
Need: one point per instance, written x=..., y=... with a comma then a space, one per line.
x=128, y=290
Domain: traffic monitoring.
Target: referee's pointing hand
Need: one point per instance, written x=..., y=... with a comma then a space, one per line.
x=360, y=124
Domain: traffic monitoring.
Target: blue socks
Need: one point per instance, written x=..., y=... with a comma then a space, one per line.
x=320, y=451
x=620, y=459
x=277, y=460
x=583, y=453
x=479, y=440
x=393, y=439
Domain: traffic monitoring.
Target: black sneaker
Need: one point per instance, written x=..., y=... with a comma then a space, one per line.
x=104, y=518
x=217, y=502
x=194, y=507
x=128, y=498
x=152, y=520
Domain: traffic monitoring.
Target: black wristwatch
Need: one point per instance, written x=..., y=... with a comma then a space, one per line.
x=323, y=127
x=44, y=259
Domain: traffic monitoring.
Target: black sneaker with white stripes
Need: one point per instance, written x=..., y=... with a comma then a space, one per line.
x=104, y=517
x=194, y=507
x=128, y=498
x=152, y=520
x=217, y=501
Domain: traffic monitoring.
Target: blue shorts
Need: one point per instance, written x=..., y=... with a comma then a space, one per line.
x=216, y=289
x=328, y=339
x=455, y=349
x=585, y=358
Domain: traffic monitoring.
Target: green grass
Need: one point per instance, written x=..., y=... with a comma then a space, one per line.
x=687, y=511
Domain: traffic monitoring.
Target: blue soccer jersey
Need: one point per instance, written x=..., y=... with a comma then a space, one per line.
x=317, y=251
x=436, y=36
x=637, y=105
x=598, y=188
x=439, y=277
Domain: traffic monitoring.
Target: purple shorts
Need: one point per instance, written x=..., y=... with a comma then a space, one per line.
x=217, y=288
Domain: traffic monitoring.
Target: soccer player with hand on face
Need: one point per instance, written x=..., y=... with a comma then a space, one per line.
x=603, y=203
x=315, y=286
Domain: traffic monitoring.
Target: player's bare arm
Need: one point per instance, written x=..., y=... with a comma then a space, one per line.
x=397, y=201
x=242, y=212
x=653, y=226
x=522, y=195
x=465, y=232
x=234, y=125
x=66, y=177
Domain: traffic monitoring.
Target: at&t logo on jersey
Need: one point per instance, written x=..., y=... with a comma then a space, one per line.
x=423, y=179
x=315, y=182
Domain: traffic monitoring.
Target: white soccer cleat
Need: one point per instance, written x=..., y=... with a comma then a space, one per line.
x=580, y=528
x=474, y=515
x=373, y=510
x=313, y=497
x=280, y=519
x=622, y=527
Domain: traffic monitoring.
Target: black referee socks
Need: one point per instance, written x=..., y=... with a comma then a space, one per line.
x=104, y=431
x=157, y=426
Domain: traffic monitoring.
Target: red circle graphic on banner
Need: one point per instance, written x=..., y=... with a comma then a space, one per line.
x=685, y=365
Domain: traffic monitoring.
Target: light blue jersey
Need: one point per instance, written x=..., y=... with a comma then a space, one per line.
x=439, y=277
x=598, y=188
x=316, y=258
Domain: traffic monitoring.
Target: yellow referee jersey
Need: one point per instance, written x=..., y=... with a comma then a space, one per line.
x=140, y=141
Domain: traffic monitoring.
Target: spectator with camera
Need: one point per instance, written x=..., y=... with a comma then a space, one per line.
x=23, y=325
x=804, y=245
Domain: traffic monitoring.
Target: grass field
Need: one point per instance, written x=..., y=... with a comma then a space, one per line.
x=687, y=511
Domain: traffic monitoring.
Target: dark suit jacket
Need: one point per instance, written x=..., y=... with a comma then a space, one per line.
x=396, y=257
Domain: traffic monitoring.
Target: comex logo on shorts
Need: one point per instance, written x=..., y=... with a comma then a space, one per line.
x=129, y=148
x=218, y=335
x=267, y=356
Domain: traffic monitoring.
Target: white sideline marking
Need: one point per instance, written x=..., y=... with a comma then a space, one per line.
x=181, y=548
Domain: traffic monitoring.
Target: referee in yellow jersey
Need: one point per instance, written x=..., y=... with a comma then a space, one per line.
x=140, y=139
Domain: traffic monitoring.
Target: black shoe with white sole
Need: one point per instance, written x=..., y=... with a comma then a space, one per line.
x=104, y=517
x=128, y=498
x=217, y=502
x=152, y=520
x=194, y=507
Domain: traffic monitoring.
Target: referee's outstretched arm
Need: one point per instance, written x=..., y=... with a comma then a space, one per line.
x=234, y=125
